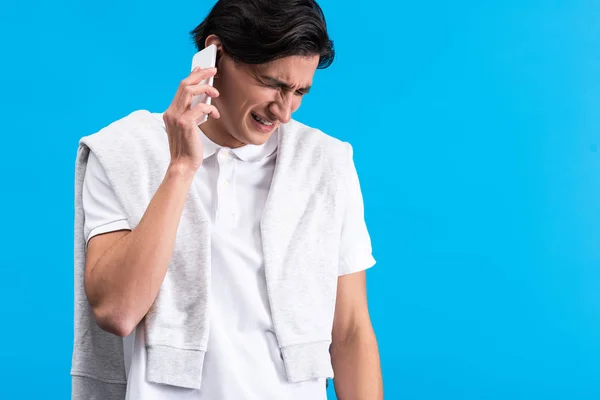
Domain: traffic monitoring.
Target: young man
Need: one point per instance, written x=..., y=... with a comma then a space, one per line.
x=225, y=261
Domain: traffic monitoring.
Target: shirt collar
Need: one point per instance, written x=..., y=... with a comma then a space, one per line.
x=208, y=146
x=248, y=153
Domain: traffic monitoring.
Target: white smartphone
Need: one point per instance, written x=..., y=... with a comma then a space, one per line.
x=206, y=58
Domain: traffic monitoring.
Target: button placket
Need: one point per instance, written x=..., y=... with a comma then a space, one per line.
x=225, y=189
x=233, y=203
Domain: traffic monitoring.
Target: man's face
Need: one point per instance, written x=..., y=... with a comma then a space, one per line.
x=255, y=99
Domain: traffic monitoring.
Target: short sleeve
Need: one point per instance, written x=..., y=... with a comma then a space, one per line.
x=355, y=246
x=102, y=211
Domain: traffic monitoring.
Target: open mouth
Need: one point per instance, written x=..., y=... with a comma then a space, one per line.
x=261, y=120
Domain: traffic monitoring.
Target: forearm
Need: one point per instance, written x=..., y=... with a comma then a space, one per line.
x=357, y=367
x=126, y=279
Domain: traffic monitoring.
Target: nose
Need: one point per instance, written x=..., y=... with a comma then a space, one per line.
x=282, y=108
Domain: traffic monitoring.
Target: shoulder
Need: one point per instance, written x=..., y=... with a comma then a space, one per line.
x=308, y=135
x=136, y=125
x=140, y=132
x=133, y=149
x=312, y=143
x=314, y=158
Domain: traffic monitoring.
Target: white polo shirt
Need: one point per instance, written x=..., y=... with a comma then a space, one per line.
x=243, y=360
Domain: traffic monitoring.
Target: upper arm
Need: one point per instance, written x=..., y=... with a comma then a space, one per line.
x=355, y=243
x=105, y=221
x=351, y=310
x=98, y=245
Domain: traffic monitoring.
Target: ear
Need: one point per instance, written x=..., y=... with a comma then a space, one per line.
x=214, y=39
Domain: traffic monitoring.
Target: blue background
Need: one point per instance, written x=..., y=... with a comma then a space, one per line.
x=476, y=128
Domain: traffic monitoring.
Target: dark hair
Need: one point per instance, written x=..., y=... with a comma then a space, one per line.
x=259, y=31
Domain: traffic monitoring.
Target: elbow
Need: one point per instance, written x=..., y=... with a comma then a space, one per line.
x=110, y=315
x=354, y=336
x=113, y=321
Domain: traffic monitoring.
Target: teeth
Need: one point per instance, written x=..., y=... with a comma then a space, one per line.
x=262, y=121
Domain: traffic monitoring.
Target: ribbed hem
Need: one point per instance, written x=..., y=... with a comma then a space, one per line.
x=307, y=361
x=176, y=367
x=87, y=387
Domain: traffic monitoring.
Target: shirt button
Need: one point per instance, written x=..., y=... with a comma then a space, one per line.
x=223, y=154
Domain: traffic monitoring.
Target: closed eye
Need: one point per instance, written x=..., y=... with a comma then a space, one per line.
x=274, y=83
x=278, y=87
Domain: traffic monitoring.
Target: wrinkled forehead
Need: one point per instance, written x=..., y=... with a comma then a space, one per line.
x=297, y=71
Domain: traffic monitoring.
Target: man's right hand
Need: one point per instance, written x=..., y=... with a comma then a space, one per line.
x=180, y=121
x=125, y=269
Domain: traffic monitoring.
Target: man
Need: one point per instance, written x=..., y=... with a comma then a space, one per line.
x=225, y=261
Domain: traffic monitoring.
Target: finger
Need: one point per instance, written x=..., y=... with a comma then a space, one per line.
x=189, y=92
x=183, y=97
x=202, y=109
x=198, y=75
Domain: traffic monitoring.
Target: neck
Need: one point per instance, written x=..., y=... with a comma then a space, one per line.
x=215, y=132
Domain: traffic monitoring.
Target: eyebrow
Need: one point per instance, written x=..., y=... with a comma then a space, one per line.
x=285, y=85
